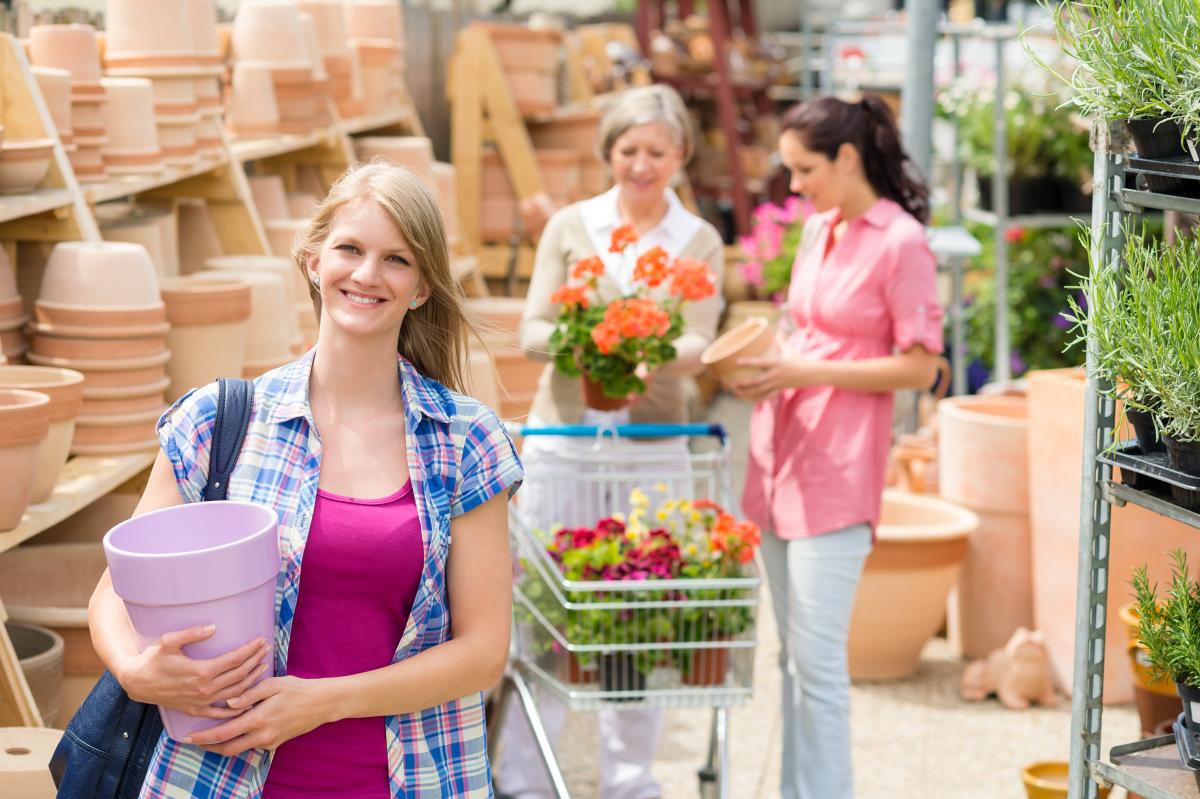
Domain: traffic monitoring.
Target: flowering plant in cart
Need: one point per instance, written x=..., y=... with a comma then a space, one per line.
x=607, y=342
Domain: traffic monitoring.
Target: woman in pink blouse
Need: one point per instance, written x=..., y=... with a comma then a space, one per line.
x=863, y=320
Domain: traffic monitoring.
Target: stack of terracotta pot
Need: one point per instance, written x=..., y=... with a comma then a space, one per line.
x=12, y=314
x=132, y=147
x=155, y=227
x=500, y=211
x=279, y=300
x=209, y=319
x=276, y=69
x=336, y=57
x=174, y=44
x=24, y=424
x=55, y=86
x=99, y=312
x=64, y=388
x=530, y=59
x=376, y=35
x=577, y=132
x=414, y=152
x=518, y=374
x=74, y=48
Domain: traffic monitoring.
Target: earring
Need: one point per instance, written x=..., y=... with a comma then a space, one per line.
x=316, y=280
x=413, y=305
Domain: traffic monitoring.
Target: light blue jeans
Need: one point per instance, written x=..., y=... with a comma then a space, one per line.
x=813, y=582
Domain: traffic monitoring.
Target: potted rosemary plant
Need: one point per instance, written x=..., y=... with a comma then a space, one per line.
x=1169, y=631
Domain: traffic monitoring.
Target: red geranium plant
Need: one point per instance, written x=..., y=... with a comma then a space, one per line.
x=607, y=342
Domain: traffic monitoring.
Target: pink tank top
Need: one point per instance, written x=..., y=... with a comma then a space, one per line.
x=361, y=568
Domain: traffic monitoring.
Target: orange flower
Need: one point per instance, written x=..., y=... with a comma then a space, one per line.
x=691, y=280
x=606, y=336
x=746, y=555
x=588, y=268
x=622, y=237
x=570, y=296
x=651, y=267
x=637, y=318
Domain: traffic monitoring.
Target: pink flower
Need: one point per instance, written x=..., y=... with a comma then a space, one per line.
x=770, y=240
x=752, y=272
x=749, y=246
x=795, y=208
x=767, y=212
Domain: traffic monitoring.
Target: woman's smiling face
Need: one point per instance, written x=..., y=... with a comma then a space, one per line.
x=369, y=275
x=643, y=160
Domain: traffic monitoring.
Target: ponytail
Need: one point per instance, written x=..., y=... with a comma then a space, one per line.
x=826, y=123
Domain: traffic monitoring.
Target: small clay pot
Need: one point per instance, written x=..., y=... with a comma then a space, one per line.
x=132, y=146
x=210, y=319
x=175, y=99
x=70, y=47
x=100, y=274
x=283, y=266
x=148, y=231
x=148, y=32
x=23, y=164
x=751, y=338
x=24, y=424
x=198, y=238
x=64, y=387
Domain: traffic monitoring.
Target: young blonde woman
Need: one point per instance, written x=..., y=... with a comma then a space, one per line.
x=865, y=321
x=391, y=488
x=645, y=138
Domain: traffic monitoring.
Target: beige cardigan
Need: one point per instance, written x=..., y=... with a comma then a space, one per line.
x=559, y=398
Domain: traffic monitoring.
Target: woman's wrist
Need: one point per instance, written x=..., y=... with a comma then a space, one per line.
x=329, y=703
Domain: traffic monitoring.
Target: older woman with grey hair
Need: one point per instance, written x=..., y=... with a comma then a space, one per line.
x=645, y=138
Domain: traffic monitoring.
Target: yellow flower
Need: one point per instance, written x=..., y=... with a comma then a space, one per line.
x=631, y=535
x=685, y=505
x=638, y=498
x=670, y=505
x=662, y=515
x=692, y=550
x=660, y=487
x=695, y=517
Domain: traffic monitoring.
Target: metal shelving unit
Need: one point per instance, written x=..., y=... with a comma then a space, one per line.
x=1149, y=768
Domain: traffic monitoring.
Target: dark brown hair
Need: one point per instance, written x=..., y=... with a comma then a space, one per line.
x=826, y=123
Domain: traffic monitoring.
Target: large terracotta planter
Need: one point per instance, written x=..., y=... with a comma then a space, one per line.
x=984, y=462
x=209, y=321
x=414, y=152
x=100, y=274
x=148, y=33
x=40, y=653
x=95, y=349
x=98, y=322
x=24, y=755
x=65, y=390
x=50, y=585
x=69, y=47
x=270, y=197
x=24, y=424
x=1056, y=405
x=918, y=553
x=273, y=329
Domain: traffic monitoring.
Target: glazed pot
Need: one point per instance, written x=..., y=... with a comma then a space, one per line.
x=273, y=328
x=414, y=152
x=24, y=755
x=55, y=85
x=49, y=585
x=1049, y=780
x=24, y=424
x=329, y=23
x=374, y=18
x=983, y=453
x=750, y=339
x=40, y=652
x=218, y=565
x=209, y=322
x=252, y=108
x=270, y=197
x=919, y=549
x=100, y=274
x=64, y=387
x=269, y=30
x=150, y=33
x=24, y=164
x=69, y=47
x=284, y=235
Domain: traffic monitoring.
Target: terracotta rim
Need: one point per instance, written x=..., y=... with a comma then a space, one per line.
x=130, y=157
x=86, y=348
x=106, y=365
x=11, y=306
x=120, y=420
x=95, y=332
x=291, y=75
x=13, y=323
x=113, y=449
x=194, y=71
x=27, y=420
x=737, y=338
x=224, y=304
x=62, y=313
x=166, y=109
x=182, y=151
x=26, y=149
x=122, y=392
x=1031, y=778
x=253, y=131
x=955, y=518
x=966, y=408
x=65, y=392
x=132, y=59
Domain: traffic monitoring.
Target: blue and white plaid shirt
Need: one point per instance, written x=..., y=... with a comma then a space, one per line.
x=459, y=456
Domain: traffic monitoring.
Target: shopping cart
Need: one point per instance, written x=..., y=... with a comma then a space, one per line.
x=677, y=643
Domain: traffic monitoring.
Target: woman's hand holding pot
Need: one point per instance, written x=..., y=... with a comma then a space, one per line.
x=777, y=371
x=280, y=709
x=164, y=675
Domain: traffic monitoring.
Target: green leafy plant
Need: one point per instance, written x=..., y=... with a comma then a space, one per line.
x=1169, y=628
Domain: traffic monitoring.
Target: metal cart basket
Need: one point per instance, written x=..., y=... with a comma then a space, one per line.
x=667, y=643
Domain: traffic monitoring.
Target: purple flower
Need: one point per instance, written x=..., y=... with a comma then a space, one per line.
x=1081, y=300
x=1016, y=365
x=1061, y=322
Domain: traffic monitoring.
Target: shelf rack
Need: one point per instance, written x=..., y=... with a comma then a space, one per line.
x=1149, y=768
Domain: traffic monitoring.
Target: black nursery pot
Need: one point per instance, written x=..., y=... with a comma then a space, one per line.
x=1191, y=705
x=1025, y=195
x=619, y=673
x=1143, y=427
x=1156, y=138
x=1184, y=456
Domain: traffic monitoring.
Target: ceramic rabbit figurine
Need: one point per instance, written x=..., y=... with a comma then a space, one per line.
x=1018, y=673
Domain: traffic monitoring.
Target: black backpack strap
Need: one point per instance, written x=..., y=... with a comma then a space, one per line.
x=229, y=431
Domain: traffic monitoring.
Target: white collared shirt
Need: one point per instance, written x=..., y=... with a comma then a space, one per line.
x=601, y=217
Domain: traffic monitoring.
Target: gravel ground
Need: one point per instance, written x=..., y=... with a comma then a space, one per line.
x=913, y=738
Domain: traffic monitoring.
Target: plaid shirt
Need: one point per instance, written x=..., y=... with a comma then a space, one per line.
x=459, y=456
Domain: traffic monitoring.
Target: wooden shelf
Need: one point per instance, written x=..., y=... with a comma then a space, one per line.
x=389, y=119
x=83, y=481
x=37, y=202
x=258, y=149
x=126, y=185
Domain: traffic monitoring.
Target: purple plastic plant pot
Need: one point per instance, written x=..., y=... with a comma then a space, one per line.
x=197, y=564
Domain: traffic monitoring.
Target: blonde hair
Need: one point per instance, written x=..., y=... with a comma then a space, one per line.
x=645, y=105
x=434, y=336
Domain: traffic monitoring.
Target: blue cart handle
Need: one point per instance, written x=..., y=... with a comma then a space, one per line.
x=627, y=431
